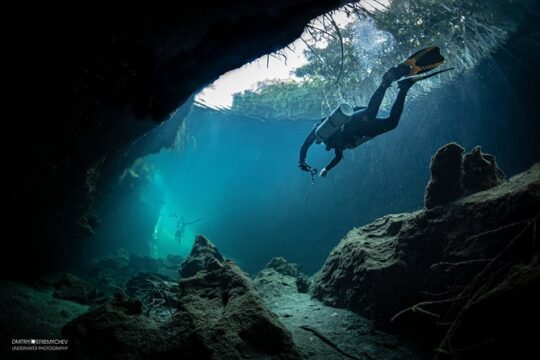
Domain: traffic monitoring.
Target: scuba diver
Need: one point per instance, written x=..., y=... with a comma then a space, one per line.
x=347, y=128
x=181, y=226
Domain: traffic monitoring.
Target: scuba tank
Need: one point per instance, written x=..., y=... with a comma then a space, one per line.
x=339, y=117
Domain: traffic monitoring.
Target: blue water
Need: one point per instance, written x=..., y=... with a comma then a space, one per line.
x=238, y=180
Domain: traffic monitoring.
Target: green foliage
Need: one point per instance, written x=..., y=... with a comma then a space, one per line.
x=467, y=31
x=292, y=100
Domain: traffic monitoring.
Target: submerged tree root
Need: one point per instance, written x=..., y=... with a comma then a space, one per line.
x=478, y=288
x=482, y=283
x=418, y=307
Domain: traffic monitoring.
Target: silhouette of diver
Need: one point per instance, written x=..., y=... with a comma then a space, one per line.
x=181, y=226
x=361, y=123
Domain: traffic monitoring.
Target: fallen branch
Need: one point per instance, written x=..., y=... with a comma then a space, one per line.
x=451, y=265
x=446, y=344
x=418, y=308
x=121, y=290
x=330, y=343
x=442, y=293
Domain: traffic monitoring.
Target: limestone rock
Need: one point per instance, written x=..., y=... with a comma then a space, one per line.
x=114, y=260
x=303, y=283
x=279, y=277
x=480, y=249
x=227, y=312
x=480, y=171
x=454, y=175
x=158, y=294
x=73, y=288
x=272, y=284
x=114, y=330
x=445, y=184
x=203, y=254
x=282, y=266
x=218, y=315
x=110, y=273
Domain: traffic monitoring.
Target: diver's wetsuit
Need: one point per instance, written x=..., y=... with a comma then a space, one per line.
x=363, y=124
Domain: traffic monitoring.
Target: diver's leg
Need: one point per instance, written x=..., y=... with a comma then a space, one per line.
x=379, y=126
x=391, y=75
x=376, y=99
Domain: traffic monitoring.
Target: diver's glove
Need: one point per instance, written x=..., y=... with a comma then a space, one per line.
x=323, y=172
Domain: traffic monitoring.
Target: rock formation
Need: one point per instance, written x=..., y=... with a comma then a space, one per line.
x=217, y=315
x=319, y=331
x=471, y=265
x=446, y=183
x=71, y=287
x=279, y=277
x=454, y=175
x=114, y=74
x=110, y=273
x=203, y=255
x=480, y=171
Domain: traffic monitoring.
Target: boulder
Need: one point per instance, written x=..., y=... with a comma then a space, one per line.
x=283, y=267
x=157, y=292
x=471, y=265
x=454, y=175
x=445, y=184
x=115, y=260
x=73, y=288
x=279, y=277
x=273, y=284
x=115, y=330
x=480, y=171
x=202, y=255
x=229, y=316
x=218, y=315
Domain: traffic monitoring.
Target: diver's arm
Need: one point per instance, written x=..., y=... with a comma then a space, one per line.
x=310, y=139
x=337, y=158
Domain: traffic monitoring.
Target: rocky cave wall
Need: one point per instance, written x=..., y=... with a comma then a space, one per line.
x=88, y=80
x=461, y=275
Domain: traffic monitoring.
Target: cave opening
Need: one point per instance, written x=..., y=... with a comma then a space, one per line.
x=231, y=171
x=170, y=215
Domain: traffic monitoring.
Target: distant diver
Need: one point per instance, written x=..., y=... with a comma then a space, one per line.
x=347, y=127
x=181, y=228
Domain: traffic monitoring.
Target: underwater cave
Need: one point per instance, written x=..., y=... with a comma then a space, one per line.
x=297, y=180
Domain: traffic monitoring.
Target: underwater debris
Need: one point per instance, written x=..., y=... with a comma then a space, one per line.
x=157, y=292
